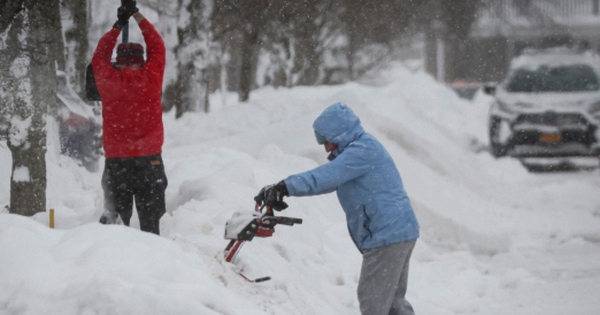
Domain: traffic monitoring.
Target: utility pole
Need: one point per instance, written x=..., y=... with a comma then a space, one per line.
x=439, y=31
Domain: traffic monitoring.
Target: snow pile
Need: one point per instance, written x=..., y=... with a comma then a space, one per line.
x=495, y=239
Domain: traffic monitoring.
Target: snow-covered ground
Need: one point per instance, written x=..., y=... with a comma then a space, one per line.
x=495, y=238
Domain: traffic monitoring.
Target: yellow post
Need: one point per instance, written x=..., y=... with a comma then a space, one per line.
x=51, y=218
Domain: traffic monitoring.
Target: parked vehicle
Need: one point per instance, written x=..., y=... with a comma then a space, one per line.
x=548, y=106
x=465, y=89
x=79, y=129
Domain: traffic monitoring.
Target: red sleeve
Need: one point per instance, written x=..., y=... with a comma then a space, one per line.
x=155, y=51
x=102, y=55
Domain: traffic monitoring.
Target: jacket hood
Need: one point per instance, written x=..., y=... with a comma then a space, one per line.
x=339, y=125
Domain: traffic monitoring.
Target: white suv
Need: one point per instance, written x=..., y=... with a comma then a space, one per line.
x=548, y=106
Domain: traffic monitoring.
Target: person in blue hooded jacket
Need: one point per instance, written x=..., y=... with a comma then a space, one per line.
x=379, y=215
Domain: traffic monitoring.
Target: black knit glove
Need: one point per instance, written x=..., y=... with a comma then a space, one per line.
x=130, y=6
x=122, y=18
x=272, y=196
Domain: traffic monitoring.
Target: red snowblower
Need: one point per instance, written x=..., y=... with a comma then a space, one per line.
x=242, y=227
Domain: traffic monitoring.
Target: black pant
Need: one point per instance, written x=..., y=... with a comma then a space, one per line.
x=141, y=178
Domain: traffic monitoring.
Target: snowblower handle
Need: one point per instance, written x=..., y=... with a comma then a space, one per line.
x=288, y=220
x=259, y=208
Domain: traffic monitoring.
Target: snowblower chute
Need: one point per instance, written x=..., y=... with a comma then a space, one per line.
x=242, y=227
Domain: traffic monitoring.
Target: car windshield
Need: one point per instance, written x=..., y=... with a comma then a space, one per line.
x=566, y=78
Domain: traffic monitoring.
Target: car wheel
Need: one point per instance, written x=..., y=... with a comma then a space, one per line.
x=537, y=168
x=497, y=149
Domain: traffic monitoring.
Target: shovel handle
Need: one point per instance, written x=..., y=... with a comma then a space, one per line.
x=125, y=34
x=125, y=31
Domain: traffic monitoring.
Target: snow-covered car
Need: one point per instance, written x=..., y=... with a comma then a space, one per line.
x=79, y=128
x=548, y=106
x=465, y=89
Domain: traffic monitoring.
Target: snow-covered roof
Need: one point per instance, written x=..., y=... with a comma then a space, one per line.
x=555, y=56
x=538, y=18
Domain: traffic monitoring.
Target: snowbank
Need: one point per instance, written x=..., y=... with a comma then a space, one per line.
x=495, y=239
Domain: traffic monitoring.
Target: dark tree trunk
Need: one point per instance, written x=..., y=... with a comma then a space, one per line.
x=187, y=86
x=192, y=52
x=10, y=8
x=77, y=38
x=27, y=140
x=28, y=179
x=247, y=50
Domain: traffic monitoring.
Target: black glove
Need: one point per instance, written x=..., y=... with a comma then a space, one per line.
x=122, y=18
x=130, y=6
x=272, y=196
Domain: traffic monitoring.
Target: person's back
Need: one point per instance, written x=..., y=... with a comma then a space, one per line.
x=131, y=98
x=133, y=135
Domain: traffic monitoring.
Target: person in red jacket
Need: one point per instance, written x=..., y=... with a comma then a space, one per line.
x=133, y=135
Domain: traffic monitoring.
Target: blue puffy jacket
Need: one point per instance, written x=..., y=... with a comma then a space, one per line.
x=368, y=185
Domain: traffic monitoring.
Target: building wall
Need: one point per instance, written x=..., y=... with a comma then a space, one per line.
x=505, y=28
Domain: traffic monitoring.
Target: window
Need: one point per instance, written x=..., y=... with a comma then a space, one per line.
x=564, y=78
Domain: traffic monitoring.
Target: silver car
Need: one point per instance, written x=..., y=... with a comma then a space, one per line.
x=548, y=106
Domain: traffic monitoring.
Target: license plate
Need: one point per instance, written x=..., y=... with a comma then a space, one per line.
x=550, y=137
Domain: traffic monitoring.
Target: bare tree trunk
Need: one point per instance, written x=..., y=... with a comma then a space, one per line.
x=191, y=90
x=10, y=49
x=10, y=9
x=77, y=38
x=27, y=139
x=58, y=41
x=247, y=50
x=251, y=20
x=192, y=54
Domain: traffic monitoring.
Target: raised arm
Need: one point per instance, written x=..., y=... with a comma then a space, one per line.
x=155, y=48
x=138, y=17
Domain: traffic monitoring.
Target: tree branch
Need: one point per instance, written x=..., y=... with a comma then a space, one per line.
x=10, y=9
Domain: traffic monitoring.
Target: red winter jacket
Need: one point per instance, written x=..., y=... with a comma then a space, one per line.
x=131, y=100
